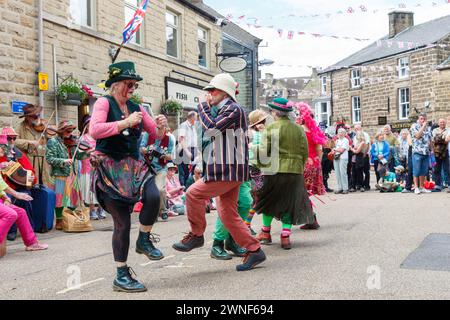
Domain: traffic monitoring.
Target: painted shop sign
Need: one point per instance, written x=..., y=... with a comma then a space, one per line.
x=233, y=64
x=188, y=94
x=402, y=125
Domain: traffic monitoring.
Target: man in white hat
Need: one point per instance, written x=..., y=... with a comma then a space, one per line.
x=224, y=125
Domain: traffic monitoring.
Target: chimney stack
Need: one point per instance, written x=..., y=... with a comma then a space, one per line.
x=399, y=21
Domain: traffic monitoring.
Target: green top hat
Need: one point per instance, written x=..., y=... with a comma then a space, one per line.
x=120, y=71
x=281, y=105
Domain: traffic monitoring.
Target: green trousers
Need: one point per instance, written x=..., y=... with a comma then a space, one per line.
x=245, y=202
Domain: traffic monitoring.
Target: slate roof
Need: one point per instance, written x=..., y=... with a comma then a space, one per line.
x=421, y=35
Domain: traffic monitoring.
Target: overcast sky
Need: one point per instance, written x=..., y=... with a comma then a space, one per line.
x=307, y=50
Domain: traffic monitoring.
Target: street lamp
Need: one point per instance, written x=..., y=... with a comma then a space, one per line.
x=265, y=62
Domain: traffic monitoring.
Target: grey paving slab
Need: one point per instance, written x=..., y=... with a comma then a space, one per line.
x=432, y=254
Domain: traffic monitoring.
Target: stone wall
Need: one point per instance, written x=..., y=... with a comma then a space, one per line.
x=83, y=52
x=18, y=58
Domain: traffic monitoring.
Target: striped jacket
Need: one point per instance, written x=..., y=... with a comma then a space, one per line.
x=225, y=157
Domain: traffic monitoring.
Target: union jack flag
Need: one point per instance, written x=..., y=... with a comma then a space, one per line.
x=135, y=23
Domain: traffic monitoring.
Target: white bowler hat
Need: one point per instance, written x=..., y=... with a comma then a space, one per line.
x=224, y=82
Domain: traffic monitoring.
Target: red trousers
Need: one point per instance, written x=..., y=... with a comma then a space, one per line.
x=226, y=194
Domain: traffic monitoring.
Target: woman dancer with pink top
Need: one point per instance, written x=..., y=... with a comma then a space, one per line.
x=119, y=175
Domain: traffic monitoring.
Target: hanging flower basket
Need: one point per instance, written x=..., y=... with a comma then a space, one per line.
x=171, y=108
x=70, y=92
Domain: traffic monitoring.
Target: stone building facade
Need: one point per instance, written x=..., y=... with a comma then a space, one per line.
x=80, y=37
x=393, y=80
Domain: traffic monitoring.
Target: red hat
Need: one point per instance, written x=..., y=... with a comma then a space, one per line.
x=8, y=131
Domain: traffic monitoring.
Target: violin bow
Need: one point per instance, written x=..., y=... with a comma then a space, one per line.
x=78, y=144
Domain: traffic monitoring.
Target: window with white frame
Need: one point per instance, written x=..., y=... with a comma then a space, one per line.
x=82, y=12
x=172, y=34
x=356, y=78
x=403, y=67
x=323, y=85
x=356, y=109
x=202, y=47
x=130, y=9
x=403, y=99
x=322, y=112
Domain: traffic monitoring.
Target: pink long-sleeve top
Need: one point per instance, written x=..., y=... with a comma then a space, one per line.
x=100, y=129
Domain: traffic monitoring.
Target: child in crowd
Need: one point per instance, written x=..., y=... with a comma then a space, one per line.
x=388, y=181
x=400, y=174
x=175, y=192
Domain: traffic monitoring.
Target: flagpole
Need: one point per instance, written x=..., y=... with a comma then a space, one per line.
x=117, y=53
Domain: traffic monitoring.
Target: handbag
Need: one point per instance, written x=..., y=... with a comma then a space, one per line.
x=330, y=155
x=77, y=220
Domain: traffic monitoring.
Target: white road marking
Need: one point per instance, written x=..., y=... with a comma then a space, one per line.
x=197, y=256
x=178, y=265
x=78, y=287
x=152, y=262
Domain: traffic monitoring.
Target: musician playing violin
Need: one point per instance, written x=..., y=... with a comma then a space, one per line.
x=60, y=155
x=31, y=139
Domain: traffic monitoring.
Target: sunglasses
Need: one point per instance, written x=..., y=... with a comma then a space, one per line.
x=133, y=85
x=11, y=138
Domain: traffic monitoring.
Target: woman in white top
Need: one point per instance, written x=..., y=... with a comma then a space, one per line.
x=341, y=161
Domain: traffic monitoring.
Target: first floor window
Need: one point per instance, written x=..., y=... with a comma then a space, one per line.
x=403, y=98
x=172, y=25
x=323, y=85
x=82, y=12
x=356, y=109
x=202, y=47
x=403, y=67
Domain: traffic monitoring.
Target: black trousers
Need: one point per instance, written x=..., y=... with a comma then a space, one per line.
x=366, y=172
x=121, y=214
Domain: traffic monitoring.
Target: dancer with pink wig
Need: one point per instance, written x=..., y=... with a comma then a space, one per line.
x=313, y=168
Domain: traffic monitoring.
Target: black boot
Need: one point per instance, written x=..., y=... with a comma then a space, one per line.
x=124, y=282
x=232, y=246
x=144, y=245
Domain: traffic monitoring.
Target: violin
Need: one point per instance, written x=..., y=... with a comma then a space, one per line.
x=73, y=141
x=46, y=131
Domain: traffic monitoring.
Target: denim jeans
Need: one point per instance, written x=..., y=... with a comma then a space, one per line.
x=442, y=166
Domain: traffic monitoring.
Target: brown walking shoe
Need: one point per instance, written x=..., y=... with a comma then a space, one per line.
x=285, y=243
x=189, y=242
x=264, y=237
